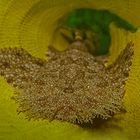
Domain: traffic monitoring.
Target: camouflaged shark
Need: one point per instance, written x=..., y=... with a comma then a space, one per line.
x=71, y=85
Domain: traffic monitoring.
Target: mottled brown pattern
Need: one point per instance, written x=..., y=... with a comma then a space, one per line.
x=72, y=85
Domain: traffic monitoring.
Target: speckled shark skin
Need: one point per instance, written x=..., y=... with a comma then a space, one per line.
x=72, y=85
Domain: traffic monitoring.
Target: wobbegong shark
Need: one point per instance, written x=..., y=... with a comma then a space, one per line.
x=71, y=85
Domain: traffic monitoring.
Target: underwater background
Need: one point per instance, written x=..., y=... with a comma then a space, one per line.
x=32, y=25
